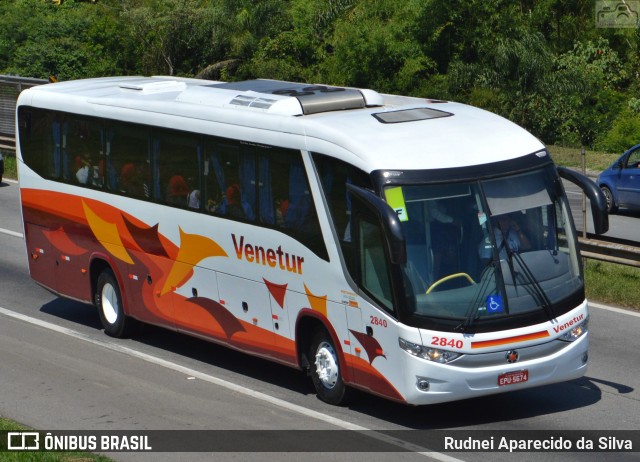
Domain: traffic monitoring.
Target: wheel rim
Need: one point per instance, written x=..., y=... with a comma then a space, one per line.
x=326, y=365
x=608, y=198
x=109, y=303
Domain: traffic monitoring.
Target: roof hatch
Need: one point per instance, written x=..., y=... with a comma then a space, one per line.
x=410, y=115
x=151, y=87
x=308, y=99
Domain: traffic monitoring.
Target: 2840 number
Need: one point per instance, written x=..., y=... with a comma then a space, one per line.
x=446, y=342
x=376, y=321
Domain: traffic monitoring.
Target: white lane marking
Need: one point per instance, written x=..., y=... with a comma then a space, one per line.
x=230, y=386
x=7, y=231
x=11, y=233
x=614, y=309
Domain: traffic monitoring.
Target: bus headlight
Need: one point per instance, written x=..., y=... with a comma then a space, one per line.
x=576, y=332
x=430, y=354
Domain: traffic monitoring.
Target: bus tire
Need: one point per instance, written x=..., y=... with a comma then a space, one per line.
x=325, y=369
x=108, y=299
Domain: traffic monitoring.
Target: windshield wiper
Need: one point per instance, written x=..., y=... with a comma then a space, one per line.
x=542, y=297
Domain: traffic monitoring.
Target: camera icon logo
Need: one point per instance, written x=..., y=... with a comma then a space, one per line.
x=617, y=13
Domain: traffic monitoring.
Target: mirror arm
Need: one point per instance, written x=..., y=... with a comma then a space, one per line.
x=595, y=195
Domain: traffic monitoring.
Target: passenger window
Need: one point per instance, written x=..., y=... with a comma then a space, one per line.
x=82, y=155
x=176, y=168
x=128, y=165
x=41, y=141
x=286, y=200
x=261, y=184
x=229, y=180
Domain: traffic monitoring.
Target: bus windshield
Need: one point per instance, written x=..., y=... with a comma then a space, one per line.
x=489, y=249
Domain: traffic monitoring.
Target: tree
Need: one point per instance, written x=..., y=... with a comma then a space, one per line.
x=71, y=40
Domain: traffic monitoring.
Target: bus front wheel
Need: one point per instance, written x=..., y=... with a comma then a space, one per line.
x=325, y=369
x=108, y=299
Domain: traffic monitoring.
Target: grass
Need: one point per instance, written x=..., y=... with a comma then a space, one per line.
x=612, y=283
x=595, y=161
x=10, y=167
x=33, y=456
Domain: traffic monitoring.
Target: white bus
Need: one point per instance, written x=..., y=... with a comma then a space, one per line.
x=420, y=250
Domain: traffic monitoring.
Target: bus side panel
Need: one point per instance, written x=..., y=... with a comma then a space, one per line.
x=42, y=260
x=72, y=275
x=58, y=251
x=239, y=317
x=375, y=338
x=143, y=298
x=248, y=301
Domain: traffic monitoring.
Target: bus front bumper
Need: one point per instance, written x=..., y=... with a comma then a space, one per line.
x=430, y=383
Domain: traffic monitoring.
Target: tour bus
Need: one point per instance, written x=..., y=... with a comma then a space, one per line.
x=419, y=250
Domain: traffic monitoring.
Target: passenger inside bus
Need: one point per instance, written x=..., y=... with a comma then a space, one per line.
x=509, y=236
x=132, y=180
x=511, y=232
x=177, y=191
x=83, y=166
x=193, y=198
x=87, y=172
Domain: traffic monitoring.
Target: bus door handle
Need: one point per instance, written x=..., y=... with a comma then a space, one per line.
x=369, y=331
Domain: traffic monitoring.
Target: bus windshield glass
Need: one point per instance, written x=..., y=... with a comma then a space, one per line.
x=489, y=249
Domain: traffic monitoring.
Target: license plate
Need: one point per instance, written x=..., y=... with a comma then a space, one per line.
x=511, y=378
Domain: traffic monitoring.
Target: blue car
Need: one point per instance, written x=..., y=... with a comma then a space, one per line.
x=620, y=183
x=1, y=167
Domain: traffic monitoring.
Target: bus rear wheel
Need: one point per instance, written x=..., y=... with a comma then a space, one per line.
x=325, y=369
x=108, y=299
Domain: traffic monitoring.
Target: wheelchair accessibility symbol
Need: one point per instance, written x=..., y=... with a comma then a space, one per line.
x=494, y=304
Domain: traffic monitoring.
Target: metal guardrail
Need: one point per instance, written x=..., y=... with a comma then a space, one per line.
x=7, y=142
x=10, y=88
x=610, y=250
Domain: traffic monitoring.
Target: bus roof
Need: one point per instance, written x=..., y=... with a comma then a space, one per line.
x=375, y=131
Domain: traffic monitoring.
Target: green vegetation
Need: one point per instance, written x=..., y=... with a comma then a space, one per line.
x=10, y=425
x=595, y=161
x=543, y=64
x=611, y=283
x=10, y=167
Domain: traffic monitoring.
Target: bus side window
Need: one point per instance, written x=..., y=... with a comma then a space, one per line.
x=230, y=179
x=40, y=140
x=128, y=166
x=289, y=204
x=82, y=151
x=176, y=167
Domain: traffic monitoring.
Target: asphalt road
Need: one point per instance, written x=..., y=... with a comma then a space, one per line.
x=59, y=371
x=624, y=224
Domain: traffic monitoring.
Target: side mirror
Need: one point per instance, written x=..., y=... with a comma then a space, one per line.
x=389, y=221
x=595, y=195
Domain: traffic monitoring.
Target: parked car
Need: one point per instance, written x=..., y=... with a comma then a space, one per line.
x=1, y=167
x=620, y=183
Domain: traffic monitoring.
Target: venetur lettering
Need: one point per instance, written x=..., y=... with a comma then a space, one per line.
x=569, y=324
x=266, y=256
